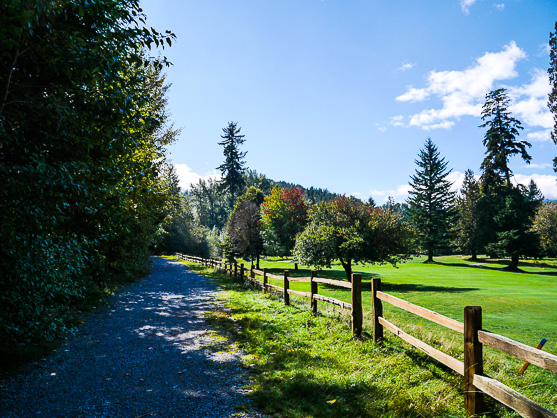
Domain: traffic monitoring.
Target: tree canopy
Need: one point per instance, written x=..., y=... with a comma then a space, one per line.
x=82, y=159
x=351, y=231
x=284, y=215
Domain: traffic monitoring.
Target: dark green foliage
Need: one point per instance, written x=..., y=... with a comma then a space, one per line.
x=243, y=230
x=467, y=229
x=82, y=130
x=512, y=211
x=348, y=230
x=552, y=71
x=232, y=169
x=505, y=212
x=210, y=203
x=430, y=201
x=500, y=138
x=259, y=181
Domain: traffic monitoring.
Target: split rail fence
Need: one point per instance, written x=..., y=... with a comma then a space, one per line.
x=476, y=383
x=239, y=271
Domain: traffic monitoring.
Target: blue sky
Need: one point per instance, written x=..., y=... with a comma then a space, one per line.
x=342, y=94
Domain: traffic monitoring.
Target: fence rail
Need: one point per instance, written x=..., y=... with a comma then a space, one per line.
x=355, y=286
x=476, y=383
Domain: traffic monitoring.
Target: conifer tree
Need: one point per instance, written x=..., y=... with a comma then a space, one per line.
x=501, y=136
x=506, y=212
x=232, y=169
x=466, y=205
x=552, y=71
x=430, y=201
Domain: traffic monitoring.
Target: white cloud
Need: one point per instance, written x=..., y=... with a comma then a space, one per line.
x=500, y=6
x=539, y=136
x=188, y=177
x=465, y=6
x=530, y=101
x=406, y=66
x=400, y=191
x=546, y=183
x=541, y=166
x=463, y=92
x=397, y=120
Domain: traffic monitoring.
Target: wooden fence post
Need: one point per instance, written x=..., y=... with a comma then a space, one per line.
x=242, y=271
x=235, y=270
x=377, y=311
x=473, y=360
x=314, y=291
x=265, y=279
x=357, y=313
x=252, y=274
x=286, y=287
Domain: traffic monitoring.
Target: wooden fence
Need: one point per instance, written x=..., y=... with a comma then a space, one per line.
x=240, y=271
x=476, y=383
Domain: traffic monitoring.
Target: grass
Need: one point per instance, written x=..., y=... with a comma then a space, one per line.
x=310, y=366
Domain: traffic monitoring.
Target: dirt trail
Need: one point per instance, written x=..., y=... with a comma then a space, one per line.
x=141, y=356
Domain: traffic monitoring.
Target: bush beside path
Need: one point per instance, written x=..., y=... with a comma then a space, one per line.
x=145, y=354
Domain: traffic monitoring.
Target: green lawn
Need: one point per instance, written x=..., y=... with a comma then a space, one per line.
x=521, y=306
x=304, y=365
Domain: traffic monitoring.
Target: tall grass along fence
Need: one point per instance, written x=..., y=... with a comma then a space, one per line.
x=239, y=271
x=476, y=383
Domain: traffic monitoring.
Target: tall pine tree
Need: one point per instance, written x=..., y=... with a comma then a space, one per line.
x=501, y=136
x=466, y=205
x=506, y=212
x=232, y=169
x=430, y=201
x=552, y=71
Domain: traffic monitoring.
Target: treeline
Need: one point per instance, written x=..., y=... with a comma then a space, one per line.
x=85, y=181
x=314, y=195
x=245, y=214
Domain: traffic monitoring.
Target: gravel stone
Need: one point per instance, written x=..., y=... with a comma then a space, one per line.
x=144, y=355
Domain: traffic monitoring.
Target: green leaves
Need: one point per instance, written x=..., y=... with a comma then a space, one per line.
x=348, y=230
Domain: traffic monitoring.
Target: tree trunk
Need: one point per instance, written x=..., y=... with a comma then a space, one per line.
x=258, y=262
x=429, y=256
x=474, y=256
x=514, y=264
x=347, y=268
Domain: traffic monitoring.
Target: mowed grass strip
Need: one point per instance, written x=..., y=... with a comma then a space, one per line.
x=309, y=366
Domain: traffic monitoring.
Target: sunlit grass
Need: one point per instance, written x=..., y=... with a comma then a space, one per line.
x=310, y=366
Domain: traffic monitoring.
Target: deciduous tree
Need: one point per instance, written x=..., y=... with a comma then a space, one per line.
x=351, y=231
x=284, y=215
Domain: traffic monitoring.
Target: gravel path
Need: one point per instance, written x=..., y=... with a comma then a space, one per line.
x=142, y=356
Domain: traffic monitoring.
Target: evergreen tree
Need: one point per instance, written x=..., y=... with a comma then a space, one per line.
x=467, y=231
x=552, y=71
x=506, y=212
x=430, y=201
x=232, y=169
x=500, y=137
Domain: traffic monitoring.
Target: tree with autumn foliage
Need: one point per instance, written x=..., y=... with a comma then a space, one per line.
x=284, y=215
x=351, y=231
